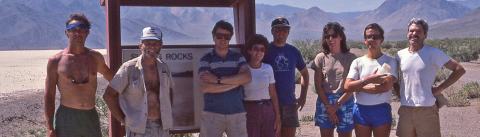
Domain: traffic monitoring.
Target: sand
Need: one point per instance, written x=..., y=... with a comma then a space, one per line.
x=22, y=85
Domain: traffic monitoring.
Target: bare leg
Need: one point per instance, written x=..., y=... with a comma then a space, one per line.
x=288, y=131
x=346, y=134
x=382, y=131
x=326, y=132
x=363, y=131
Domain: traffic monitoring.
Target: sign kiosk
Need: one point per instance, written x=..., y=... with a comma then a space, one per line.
x=182, y=59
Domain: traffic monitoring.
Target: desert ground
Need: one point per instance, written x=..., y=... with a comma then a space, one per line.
x=23, y=74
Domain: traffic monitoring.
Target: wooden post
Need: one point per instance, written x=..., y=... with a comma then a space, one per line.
x=114, y=52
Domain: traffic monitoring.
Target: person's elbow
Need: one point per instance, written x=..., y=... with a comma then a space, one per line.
x=460, y=70
x=204, y=87
x=110, y=95
x=248, y=78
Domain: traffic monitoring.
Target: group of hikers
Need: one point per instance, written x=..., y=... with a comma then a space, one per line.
x=253, y=94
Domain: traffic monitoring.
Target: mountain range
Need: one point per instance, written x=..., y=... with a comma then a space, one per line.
x=39, y=24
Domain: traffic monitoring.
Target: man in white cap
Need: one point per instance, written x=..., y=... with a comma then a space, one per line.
x=140, y=94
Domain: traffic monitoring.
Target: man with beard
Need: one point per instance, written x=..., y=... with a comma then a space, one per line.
x=419, y=63
x=140, y=94
x=74, y=71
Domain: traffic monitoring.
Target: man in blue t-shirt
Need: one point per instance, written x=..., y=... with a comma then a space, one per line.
x=284, y=58
x=222, y=73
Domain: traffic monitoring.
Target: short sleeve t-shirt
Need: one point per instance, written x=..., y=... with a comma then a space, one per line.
x=284, y=60
x=230, y=102
x=335, y=68
x=258, y=89
x=418, y=74
x=363, y=67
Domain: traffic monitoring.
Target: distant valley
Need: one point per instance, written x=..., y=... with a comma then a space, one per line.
x=39, y=24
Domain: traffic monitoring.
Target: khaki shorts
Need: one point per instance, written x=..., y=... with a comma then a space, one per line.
x=418, y=121
x=214, y=124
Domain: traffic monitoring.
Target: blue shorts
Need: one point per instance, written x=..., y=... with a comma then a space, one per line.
x=344, y=114
x=374, y=116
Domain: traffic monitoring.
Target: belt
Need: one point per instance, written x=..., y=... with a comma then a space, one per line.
x=259, y=102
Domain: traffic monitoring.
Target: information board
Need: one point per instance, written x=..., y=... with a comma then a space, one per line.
x=188, y=99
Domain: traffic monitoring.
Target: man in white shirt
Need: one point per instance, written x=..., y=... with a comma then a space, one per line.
x=419, y=64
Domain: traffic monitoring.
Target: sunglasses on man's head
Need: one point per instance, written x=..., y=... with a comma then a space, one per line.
x=374, y=37
x=220, y=36
x=257, y=49
x=328, y=36
x=279, y=29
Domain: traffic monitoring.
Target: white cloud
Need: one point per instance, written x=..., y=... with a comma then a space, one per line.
x=329, y=5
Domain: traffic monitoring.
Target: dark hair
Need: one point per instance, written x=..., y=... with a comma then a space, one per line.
x=224, y=25
x=373, y=26
x=253, y=40
x=420, y=22
x=79, y=17
x=337, y=28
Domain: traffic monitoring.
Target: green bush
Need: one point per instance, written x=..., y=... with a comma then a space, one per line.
x=470, y=90
x=356, y=44
x=307, y=118
x=458, y=100
x=308, y=48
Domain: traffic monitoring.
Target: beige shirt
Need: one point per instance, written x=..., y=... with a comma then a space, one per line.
x=130, y=83
x=335, y=69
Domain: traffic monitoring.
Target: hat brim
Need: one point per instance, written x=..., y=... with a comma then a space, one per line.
x=281, y=25
x=152, y=38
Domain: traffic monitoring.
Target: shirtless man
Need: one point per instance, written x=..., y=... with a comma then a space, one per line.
x=140, y=95
x=74, y=71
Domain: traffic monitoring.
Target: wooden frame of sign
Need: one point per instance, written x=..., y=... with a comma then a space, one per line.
x=244, y=21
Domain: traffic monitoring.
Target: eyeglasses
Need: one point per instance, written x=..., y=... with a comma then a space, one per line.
x=326, y=36
x=257, y=49
x=280, y=29
x=374, y=37
x=77, y=30
x=225, y=36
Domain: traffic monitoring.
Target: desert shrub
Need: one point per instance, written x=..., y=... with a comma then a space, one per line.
x=35, y=132
x=182, y=135
x=356, y=44
x=458, y=100
x=459, y=49
x=307, y=118
x=386, y=45
x=470, y=90
x=102, y=110
x=308, y=48
x=394, y=121
x=401, y=44
x=442, y=75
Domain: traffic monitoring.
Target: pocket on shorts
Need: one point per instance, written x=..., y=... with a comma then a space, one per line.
x=242, y=123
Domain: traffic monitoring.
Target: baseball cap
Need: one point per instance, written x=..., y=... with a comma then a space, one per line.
x=151, y=33
x=280, y=21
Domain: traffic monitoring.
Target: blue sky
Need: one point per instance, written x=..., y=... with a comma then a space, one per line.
x=329, y=5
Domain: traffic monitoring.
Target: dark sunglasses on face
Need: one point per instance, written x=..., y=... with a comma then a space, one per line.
x=278, y=29
x=328, y=36
x=374, y=37
x=262, y=49
x=220, y=36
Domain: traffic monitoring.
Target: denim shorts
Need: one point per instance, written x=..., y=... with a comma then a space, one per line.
x=344, y=114
x=372, y=115
x=289, y=116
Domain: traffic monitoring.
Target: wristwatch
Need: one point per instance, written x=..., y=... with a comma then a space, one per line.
x=364, y=82
x=219, y=79
x=338, y=103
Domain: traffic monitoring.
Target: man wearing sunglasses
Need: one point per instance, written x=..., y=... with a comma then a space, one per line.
x=222, y=73
x=284, y=58
x=419, y=64
x=74, y=71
